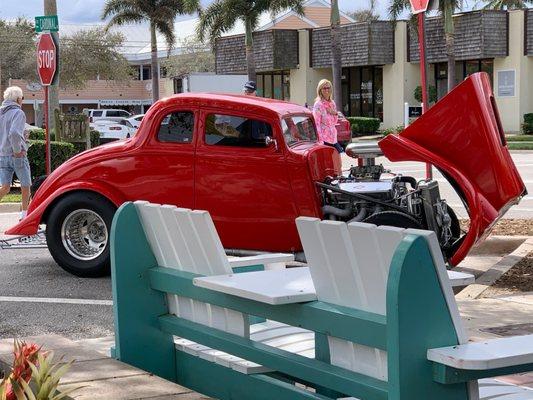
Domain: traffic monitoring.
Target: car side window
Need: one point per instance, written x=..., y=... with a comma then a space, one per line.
x=177, y=127
x=97, y=113
x=124, y=114
x=112, y=113
x=228, y=130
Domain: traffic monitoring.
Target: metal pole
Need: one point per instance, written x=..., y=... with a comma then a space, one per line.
x=423, y=75
x=47, y=130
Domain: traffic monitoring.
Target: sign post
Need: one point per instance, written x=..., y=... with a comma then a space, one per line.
x=47, y=68
x=420, y=7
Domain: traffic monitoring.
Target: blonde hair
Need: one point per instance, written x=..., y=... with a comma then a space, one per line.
x=13, y=93
x=321, y=84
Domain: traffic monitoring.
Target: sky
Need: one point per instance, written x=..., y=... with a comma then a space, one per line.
x=88, y=11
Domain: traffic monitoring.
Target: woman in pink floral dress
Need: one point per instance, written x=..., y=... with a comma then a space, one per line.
x=325, y=113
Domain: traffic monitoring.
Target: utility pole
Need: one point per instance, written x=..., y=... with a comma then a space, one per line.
x=50, y=8
x=336, y=53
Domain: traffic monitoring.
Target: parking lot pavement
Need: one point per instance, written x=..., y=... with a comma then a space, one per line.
x=38, y=297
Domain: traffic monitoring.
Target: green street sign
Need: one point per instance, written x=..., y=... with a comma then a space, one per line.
x=48, y=23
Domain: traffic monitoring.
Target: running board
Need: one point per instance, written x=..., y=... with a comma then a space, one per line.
x=37, y=241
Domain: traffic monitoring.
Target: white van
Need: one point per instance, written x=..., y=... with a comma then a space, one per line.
x=112, y=114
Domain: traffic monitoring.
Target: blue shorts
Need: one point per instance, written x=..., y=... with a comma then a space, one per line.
x=17, y=165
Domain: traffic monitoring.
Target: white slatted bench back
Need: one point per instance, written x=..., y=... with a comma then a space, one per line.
x=187, y=241
x=349, y=265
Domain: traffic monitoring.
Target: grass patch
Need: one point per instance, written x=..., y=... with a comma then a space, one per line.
x=12, y=198
x=520, y=145
x=519, y=138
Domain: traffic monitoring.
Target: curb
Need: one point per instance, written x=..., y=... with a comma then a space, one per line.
x=488, y=278
x=9, y=207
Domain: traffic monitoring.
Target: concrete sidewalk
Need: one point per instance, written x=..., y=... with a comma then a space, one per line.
x=99, y=377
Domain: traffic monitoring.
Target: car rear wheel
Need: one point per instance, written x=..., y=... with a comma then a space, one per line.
x=77, y=234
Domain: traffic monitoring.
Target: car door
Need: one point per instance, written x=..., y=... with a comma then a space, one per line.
x=243, y=181
x=166, y=163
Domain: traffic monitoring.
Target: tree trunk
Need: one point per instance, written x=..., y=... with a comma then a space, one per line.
x=450, y=44
x=336, y=54
x=250, y=58
x=155, y=64
x=50, y=8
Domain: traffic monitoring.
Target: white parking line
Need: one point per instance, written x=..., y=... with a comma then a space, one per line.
x=55, y=301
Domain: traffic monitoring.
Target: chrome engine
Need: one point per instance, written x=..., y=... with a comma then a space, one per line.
x=371, y=194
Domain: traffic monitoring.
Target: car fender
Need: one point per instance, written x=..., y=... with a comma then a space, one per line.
x=30, y=224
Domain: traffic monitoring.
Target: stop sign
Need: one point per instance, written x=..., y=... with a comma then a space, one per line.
x=46, y=58
x=419, y=6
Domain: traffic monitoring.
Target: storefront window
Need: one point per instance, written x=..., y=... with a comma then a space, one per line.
x=462, y=70
x=275, y=85
x=267, y=86
x=277, y=88
x=362, y=91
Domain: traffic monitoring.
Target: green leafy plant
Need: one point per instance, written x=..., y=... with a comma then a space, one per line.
x=432, y=91
x=60, y=152
x=396, y=129
x=527, y=126
x=39, y=134
x=364, y=126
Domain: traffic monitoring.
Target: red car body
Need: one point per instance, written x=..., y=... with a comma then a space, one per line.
x=344, y=130
x=254, y=194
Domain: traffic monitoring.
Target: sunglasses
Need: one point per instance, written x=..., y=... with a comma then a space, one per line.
x=326, y=88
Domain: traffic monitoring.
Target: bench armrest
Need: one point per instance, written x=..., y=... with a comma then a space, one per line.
x=265, y=259
x=477, y=360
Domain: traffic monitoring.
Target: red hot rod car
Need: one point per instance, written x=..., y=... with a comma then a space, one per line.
x=255, y=165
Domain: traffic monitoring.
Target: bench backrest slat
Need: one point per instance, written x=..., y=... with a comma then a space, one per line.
x=349, y=264
x=187, y=240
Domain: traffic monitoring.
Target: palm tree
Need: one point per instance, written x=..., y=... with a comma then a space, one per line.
x=506, y=4
x=160, y=14
x=222, y=15
x=336, y=52
x=446, y=8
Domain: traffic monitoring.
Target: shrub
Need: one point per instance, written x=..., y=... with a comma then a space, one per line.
x=364, y=126
x=527, y=126
x=396, y=129
x=432, y=92
x=60, y=152
x=38, y=134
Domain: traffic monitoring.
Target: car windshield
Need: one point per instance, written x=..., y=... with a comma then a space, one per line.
x=298, y=128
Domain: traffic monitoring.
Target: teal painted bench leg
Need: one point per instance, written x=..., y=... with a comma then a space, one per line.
x=414, y=295
x=138, y=339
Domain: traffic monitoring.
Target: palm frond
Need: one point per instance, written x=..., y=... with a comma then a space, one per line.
x=112, y=7
x=167, y=30
x=123, y=18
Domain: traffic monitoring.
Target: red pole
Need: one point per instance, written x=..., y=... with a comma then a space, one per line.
x=423, y=75
x=47, y=131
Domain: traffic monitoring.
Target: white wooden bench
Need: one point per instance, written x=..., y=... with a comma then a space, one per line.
x=384, y=321
x=187, y=240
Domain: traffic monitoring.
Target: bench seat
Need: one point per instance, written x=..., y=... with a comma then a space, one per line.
x=290, y=338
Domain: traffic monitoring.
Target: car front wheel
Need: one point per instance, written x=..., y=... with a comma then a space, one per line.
x=77, y=233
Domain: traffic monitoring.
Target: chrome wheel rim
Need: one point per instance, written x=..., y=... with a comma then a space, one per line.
x=84, y=234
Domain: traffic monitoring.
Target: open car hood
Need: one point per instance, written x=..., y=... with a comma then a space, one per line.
x=462, y=136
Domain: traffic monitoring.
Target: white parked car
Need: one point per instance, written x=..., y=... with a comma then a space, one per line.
x=111, y=114
x=135, y=120
x=113, y=130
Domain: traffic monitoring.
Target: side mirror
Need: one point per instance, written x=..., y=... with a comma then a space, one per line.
x=269, y=142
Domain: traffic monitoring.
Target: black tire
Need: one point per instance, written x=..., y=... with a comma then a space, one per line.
x=75, y=207
x=394, y=218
